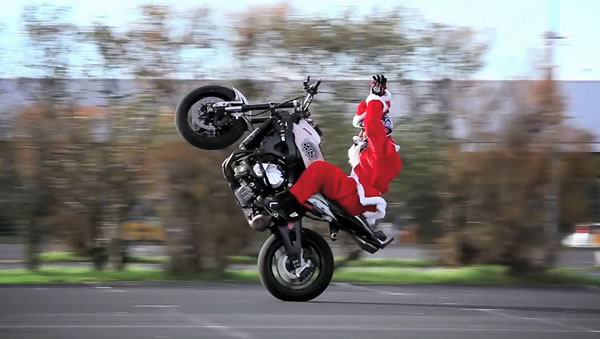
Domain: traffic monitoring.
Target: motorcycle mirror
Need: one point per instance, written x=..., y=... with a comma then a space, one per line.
x=306, y=82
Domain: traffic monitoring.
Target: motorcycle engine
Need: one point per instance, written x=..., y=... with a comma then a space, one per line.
x=272, y=172
x=259, y=179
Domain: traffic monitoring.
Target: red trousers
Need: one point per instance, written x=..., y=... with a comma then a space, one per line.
x=329, y=180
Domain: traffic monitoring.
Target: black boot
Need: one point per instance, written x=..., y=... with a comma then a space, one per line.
x=284, y=205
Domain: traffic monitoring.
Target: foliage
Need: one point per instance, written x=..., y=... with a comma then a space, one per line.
x=394, y=42
x=75, y=171
x=203, y=223
x=88, y=173
x=504, y=196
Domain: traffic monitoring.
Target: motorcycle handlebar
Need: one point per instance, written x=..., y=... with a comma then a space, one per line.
x=317, y=86
x=257, y=107
x=310, y=90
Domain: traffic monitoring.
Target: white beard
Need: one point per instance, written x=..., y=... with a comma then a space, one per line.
x=354, y=154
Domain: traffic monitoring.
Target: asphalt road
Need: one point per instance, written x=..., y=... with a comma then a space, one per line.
x=235, y=310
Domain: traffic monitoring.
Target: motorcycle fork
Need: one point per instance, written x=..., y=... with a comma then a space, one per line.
x=291, y=232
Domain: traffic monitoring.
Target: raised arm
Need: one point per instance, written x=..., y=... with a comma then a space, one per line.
x=374, y=128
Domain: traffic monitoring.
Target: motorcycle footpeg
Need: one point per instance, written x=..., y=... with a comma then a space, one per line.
x=379, y=240
x=380, y=235
x=387, y=242
x=382, y=239
x=364, y=245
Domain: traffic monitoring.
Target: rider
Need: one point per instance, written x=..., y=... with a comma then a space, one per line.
x=374, y=160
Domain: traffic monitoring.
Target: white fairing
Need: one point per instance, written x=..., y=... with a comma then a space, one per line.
x=308, y=142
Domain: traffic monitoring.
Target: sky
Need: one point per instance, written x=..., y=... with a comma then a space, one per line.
x=516, y=27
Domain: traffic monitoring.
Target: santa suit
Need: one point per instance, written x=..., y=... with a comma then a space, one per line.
x=373, y=167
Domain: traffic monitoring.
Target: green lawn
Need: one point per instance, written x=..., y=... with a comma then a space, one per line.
x=60, y=256
x=241, y=260
x=53, y=256
x=77, y=274
x=11, y=261
x=148, y=259
x=465, y=275
x=392, y=262
x=366, y=262
x=462, y=275
x=370, y=270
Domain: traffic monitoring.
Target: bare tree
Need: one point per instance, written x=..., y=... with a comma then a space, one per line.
x=499, y=190
x=47, y=29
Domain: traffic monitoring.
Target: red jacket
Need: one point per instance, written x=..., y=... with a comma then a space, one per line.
x=379, y=162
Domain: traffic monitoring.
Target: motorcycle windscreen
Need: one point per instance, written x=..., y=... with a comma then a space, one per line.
x=308, y=142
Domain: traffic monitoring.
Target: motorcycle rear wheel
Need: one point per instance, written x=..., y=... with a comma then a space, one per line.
x=207, y=137
x=283, y=285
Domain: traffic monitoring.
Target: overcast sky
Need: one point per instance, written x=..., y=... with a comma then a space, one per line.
x=517, y=27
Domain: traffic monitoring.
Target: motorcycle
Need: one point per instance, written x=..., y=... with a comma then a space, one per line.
x=294, y=263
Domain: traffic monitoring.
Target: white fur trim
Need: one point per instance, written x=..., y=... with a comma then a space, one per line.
x=397, y=147
x=379, y=202
x=357, y=119
x=377, y=98
x=354, y=155
x=387, y=96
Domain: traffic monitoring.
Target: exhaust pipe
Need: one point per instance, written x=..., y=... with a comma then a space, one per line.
x=260, y=222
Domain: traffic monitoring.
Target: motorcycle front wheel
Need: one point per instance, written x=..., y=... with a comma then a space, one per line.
x=277, y=272
x=199, y=127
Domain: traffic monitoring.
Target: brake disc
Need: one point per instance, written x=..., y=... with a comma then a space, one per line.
x=285, y=274
x=197, y=119
x=290, y=274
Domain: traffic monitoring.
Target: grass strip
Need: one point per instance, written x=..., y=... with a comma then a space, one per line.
x=366, y=262
x=60, y=256
x=388, y=275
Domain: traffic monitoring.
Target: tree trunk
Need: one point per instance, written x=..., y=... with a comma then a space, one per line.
x=40, y=207
x=32, y=250
x=116, y=254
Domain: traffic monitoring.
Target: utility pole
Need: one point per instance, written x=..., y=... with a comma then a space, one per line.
x=551, y=224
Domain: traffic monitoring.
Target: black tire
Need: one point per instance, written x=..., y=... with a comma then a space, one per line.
x=206, y=142
x=282, y=292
